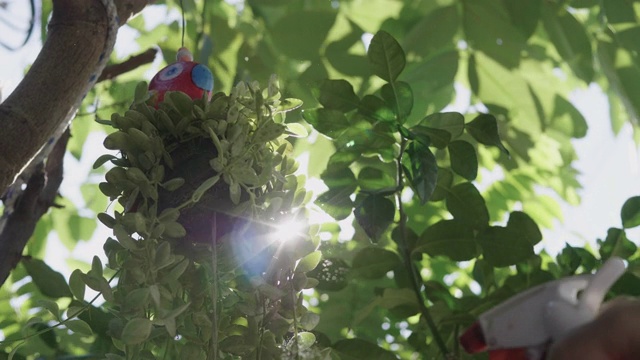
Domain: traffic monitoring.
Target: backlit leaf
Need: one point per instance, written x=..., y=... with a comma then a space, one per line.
x=399, y=96
x=451, y=238
x=484, y=128
x=570, y=40
x=466, y=204
x=423, y=171
x=504, y=246
x=630, y=212
x=338, y=95
x=464, y=160
x=617, y=244
x=50, y=282
x=386, y=56
x=374, y=215
x=374, y=262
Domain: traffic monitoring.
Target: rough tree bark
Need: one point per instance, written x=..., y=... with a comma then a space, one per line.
x=45, y=97
x=41, y=102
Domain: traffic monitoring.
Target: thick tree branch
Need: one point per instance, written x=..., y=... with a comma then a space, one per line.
x=47, y=94
x=37, y=198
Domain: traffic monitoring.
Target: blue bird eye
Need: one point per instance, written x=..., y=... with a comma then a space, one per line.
x=202, y=77
x=170, y=72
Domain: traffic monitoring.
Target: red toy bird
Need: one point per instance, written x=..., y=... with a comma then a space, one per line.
x=184, y=75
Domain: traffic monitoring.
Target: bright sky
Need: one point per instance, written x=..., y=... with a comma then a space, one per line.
x=609, y=169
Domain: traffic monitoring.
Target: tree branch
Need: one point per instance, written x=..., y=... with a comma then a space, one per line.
x=46, y=96
x=131, y=63
x=37, y=198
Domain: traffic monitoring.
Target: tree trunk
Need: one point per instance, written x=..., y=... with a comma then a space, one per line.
x=47, y=95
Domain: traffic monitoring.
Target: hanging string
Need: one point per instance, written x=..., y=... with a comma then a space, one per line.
x=183, y=22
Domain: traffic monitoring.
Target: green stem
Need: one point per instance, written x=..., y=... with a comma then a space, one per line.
x=213, y=347
x=416, y=280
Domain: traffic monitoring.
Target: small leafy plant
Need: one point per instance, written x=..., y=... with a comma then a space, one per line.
x=203, y=187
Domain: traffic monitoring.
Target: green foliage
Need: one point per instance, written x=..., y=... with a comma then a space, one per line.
x=438, y=238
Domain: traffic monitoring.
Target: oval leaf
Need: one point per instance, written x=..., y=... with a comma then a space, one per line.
x=136, y=331
x=484, y=128
x=451, y=238
x=374, y=262
x=503, y=246
x=50, y=282
x=374, y=215
x=465, y=203
x=630, y=212
x=386, y=56
x=464, y=160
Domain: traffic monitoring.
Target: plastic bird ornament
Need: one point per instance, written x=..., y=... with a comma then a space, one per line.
x=524, y=326
x=184, y=75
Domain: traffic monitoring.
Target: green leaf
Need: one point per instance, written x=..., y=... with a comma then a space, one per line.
x=453, y=122
x=386, y=56
x=327, y=121
x=102, y=160
x=142, y=92
x=630, y=212
x=50, y=282
x=433, y=32
x=488, y=28
x=484, y=128
x=472, y=73
x=392, y=298
x=51, y=306
x=309, y=320
x=331, y=274
x=338, y=95
x=399, y=96
x=570, y=39
x=437, y=137
x=372, y=179
x=443, y=184
x=375, y=109
x=466, y=204
x=358, y=349
x=206, y=185
x=374, y=262
x=617, y=244
x=79, y=326
x=309, y=262
x=374, y=215
x=336, y=202
x=338, y=177
x=464, y=160
x=452, y=238
x=314, y=24
x=236, y=345
x=297, y=130
x=136, y=331
x=567, y=119
x=305, y=340
x=524, y=15
x=76, y=284
x=503, y=246
x=523, y=224
x=423, y=171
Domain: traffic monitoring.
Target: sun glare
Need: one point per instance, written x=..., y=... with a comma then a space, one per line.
x=288, y=230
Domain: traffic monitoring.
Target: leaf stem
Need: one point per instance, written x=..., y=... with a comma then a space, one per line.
x=416, y=280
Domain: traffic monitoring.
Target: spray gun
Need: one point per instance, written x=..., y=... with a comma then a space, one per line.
x=522, y=327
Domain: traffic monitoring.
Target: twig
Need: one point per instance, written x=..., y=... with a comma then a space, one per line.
x=131, y=63
x=416, y=280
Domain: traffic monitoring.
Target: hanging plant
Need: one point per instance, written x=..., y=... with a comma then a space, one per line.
x=204, y=186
